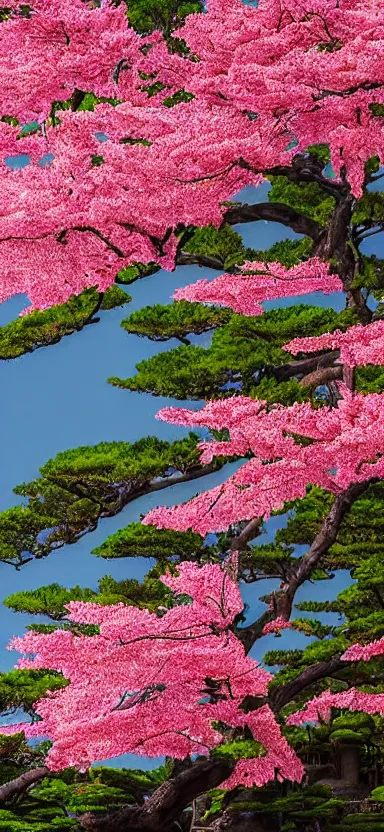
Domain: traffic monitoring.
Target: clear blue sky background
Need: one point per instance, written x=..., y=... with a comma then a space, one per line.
x=58, y=398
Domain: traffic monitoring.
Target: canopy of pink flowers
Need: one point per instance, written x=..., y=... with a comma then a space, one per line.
x=359, y=345
x=141, y=685
x=320, y=707
x=262, y=78
x=258, y=282
x=346, y=445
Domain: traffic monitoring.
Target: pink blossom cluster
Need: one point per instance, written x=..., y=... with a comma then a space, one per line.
x=86, y=218
x=62, y=46
x=272, y=61
x=276, y=625
x=320, y=707
x=358, y=345
x=358, y=652
x=346, y=446
x=261, y=78
x=140, y=686
x=259, y=282
x=316, y=68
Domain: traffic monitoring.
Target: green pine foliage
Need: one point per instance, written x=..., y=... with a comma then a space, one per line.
x=51, y=600
x=306, y=198
x=48, y=326
x=22, y=688
x=48, y=600
x=164, y=15
x=318, y=651
x=95, y=470
x=186, y=372
x=147, y=541
x=242, y=348
x=176, y=320
x=239, y=750
x=369, y=209
x=129, y=274
x=55, y=803
x=150, y=594
x=369, y=379
x=287, y=252
x=10, y=821
x=224, y=244
x=113, y=297
x=283, y=392
x=81, y=485
x=281, y=813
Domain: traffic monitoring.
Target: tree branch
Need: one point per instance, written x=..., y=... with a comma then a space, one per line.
x=185, y=258
x=281, y=696
x=168, y=801
x=250, y=531
x=282, y=601
x=128, y=495
x=274, y=212
x=20, y=784
x=319, y=377
x=324, y=539
x=249, y=635
x=305, y=366
x=61, y=238
x=303, y=170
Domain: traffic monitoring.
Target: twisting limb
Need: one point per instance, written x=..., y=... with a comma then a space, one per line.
x=20, y=784
x=159, y=813
x=281, y=696
x=282, y=601
x=319, y=377
x=250, y=531
x=308, y=170
x=324, y=539
x=305, y=365
x=185, y=258
x=274, y=212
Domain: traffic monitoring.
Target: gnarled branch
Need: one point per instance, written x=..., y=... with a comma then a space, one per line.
x=324, y=539
x=20, y=784
x=281, y=696
x=166, y=804
x=305, y=365
x=319, y=377
x=274, y=212
x=282, y=601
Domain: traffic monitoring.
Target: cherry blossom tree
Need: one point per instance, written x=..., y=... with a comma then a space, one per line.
x=345, y=447
x=116, y=701
x=358, y=346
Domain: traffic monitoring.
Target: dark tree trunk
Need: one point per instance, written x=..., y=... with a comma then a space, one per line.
x=159, y=812
x=305, y=365
x=337, y=244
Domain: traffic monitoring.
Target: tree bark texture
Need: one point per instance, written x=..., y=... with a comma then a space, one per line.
x=160, y=811
x=20, y=784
